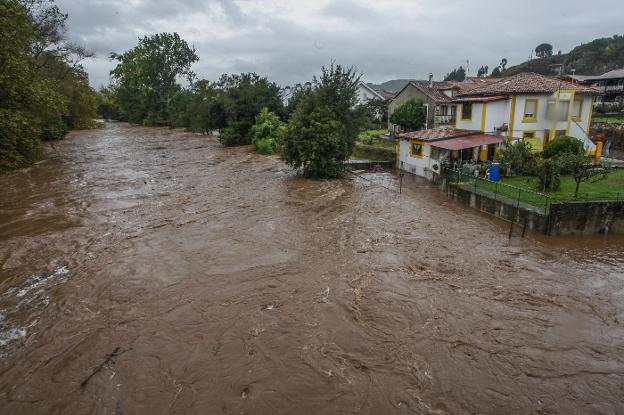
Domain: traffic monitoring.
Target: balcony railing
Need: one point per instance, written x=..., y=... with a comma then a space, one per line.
x=614, y=88
x=444, y=119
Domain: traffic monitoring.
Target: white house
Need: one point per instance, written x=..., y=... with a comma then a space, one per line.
x=365, y=93
x=527, y=106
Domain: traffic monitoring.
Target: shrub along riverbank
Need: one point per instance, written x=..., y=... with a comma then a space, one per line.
x=45, y=92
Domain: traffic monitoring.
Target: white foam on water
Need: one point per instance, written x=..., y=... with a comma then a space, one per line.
x=11, y=334
x=41, y=281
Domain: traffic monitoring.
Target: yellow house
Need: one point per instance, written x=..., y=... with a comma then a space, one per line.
x=531, y=107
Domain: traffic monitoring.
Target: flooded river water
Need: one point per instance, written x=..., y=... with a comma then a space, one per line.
x=223, y=283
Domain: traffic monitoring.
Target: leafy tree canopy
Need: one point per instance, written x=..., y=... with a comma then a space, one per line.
x=323, y=128
x=268, y=132
x=410, y=115
x=563, y=144
x=43, y=89
x=458, y=74
x=244, y=96
x=146, y=77
x=543, y=50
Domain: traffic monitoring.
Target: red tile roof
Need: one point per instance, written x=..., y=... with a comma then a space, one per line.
x=528, y=83
x=437, y=133
x=386, y=94
x=481, y=98
x=459, y=143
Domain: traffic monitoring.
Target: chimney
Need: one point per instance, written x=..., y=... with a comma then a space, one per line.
x=430, y=80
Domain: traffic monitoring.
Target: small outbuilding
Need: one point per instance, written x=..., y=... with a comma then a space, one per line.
x=424, y=152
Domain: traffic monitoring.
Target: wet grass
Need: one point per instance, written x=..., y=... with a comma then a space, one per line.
x=369, y=147
x=610, y=188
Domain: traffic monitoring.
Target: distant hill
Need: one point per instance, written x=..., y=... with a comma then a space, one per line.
x=593, y=58
x=394, y=85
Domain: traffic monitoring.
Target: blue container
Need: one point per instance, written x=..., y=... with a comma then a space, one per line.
x=495, y=173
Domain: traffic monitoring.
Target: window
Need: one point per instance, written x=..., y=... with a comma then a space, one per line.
x=558, y=114
x=530, y=110
x=564, y=109
x=577, y=110
x=466, y=112
x=416, y=148
x=528, y=134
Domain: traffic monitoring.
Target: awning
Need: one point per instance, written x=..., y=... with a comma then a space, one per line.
x=470, y=141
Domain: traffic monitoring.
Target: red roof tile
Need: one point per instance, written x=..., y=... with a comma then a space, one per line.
x=459, y=143
x=528, y=83
x=437, y=133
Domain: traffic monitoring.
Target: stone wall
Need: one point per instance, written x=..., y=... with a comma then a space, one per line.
x=586, y=217
x=571, y=218
x=533, y=218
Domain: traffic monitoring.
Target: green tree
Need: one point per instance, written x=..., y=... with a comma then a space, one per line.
x=323, y=128
x=458, y=74
x=30, y=104
x=244, y=96
x=377, y=111
x=583, y=169
x=563, y=145
x=549, y=174
x=543, y=50
x=145, y=77
x=517, y=157
x=410, y=115
x=106, y=104
x=268, y=132
x=207, y=108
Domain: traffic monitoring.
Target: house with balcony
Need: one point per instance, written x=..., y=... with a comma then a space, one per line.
x=438, y=98
x=610, y=86
x=527, y=106
x=437, y=101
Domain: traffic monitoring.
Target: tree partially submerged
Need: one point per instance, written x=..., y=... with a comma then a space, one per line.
x=244, y=96
x=323, y=128
x=268, y=132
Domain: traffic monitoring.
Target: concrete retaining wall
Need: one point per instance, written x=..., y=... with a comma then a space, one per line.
x=586, y=218
x=534, y=219
x=571, y=218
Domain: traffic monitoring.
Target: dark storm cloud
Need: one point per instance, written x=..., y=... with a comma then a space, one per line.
x=289, y=40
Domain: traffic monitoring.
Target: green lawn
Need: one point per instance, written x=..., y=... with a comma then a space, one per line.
x=368, y=147
x=614, y=120
x=610, y=188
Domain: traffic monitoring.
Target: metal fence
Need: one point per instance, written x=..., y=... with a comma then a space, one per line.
x=520, y=196
x=500, y=191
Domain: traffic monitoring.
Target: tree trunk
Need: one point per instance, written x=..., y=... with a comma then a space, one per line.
x=578, y=183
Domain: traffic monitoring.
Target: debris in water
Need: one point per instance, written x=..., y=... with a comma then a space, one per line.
x=271, y=306
x=245, y=393
x=109, y=358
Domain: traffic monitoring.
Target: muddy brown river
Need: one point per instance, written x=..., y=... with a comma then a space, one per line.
x=152, y=271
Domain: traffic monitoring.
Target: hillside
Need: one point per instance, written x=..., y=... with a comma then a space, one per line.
x=593, y=58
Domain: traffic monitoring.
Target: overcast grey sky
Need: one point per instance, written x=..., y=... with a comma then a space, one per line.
x=289, y=40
